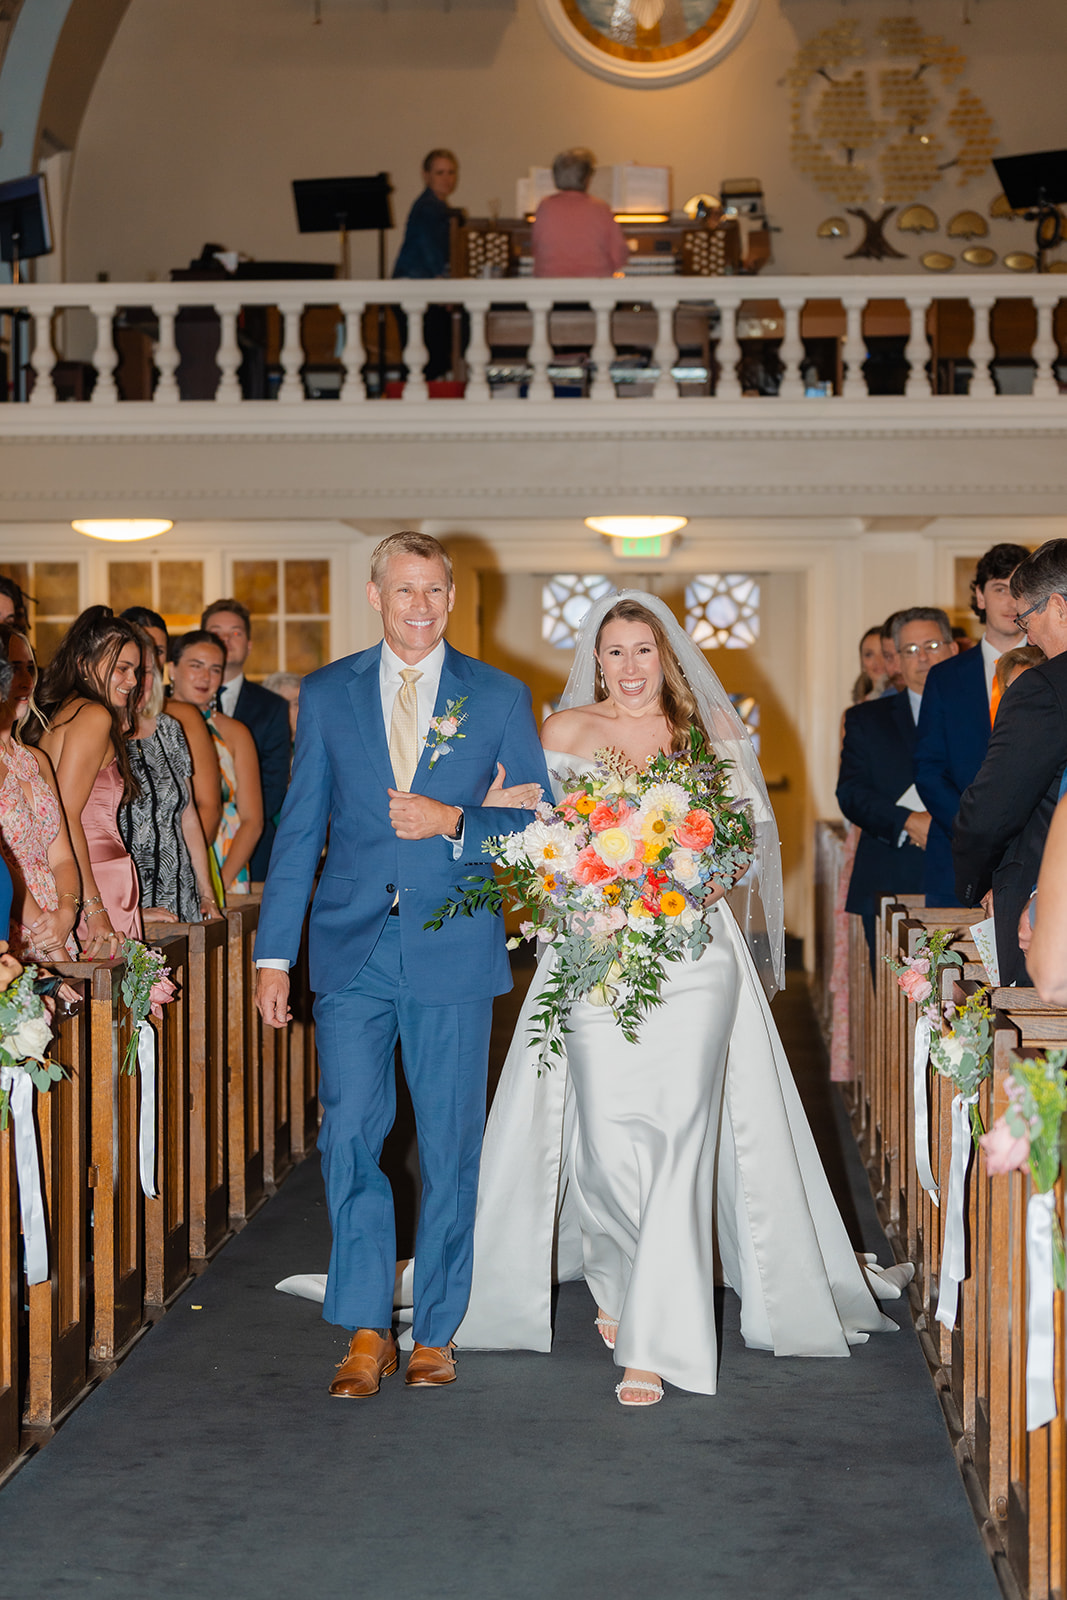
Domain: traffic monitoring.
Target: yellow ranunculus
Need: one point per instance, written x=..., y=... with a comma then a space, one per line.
x=610, y=894
x=585, y=805
x=614, y=846
x=672, y=903
x=548, y=882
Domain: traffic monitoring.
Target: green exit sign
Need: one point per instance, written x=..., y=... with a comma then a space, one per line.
x=654, y=546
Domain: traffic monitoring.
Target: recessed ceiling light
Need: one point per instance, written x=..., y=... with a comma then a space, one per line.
x=635, y=527
x=122, y=529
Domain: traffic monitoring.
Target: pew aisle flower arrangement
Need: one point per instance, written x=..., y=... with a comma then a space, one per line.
x=614, y=878
x=25, y=1034
x=146, y=989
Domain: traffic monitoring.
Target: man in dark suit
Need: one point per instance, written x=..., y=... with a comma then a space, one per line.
x=954, y=722
x=1005, y=814
x=876, y=783
x=265, y=715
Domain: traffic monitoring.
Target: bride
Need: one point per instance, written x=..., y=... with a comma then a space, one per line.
x=647, y=1167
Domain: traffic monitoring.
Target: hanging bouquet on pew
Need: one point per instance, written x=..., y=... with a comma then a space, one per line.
x=614, y=877
x=146, y=989
x=25, y=1035
x=920, y=975
x=1028, y=1134
x=962, y=1052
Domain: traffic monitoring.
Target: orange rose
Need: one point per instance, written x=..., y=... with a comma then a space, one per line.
x=695, y=831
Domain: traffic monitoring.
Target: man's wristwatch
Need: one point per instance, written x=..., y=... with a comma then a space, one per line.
x=457, y=831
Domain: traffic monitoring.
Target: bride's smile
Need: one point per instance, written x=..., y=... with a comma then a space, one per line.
x=629, y=661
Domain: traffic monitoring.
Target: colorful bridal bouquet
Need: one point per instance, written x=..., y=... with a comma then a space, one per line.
x=146, y=988
x=25, y=1034
x=615, y=877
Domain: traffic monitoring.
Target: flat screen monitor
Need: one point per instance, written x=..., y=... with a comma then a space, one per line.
x=24, y=226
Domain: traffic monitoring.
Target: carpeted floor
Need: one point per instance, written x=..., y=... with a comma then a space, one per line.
x=213, y=1463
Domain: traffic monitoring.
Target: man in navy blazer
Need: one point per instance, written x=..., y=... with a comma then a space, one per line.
x=264, y=714
x=878, y=771
x=395, y=856
x=954, y=721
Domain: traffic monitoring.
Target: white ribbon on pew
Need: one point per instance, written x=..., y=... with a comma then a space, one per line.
x=1040, y=1332
x=920, y=1061
x=19, y=1086
x=146, y=1137
x=954, y=1247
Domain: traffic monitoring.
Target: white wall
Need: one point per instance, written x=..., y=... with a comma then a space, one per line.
x=206, y=109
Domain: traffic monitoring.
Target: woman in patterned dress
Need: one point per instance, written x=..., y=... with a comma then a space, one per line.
x=33, y=831
x=196, y=665
x=160, y=827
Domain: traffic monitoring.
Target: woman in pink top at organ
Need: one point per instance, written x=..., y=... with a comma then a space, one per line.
x=574, y=233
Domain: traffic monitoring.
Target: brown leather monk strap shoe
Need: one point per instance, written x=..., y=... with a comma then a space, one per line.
x=431, y=1364
x=370, y=1358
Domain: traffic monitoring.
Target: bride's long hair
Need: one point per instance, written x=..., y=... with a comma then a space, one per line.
x=679, y=704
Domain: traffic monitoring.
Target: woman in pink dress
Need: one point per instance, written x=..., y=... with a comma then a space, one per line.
x=33, y=831
x=89, y=694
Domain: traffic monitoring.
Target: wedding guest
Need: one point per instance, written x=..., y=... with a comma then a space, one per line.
x=1012, y=664
x=574, y=233
x=1046, y=957
x=426, y=253
x=152, y=623
x=265, y=715
x=197, y=661
x=13, y=604
x=160, y=826
x=89, y=694
x=873, y=674
x=287, y=684
x=33, y=831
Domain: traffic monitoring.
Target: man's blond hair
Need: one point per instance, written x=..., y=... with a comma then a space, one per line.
x=408, y=544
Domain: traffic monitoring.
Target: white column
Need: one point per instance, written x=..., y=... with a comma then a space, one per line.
x=727, y=355
x=664, y=354
x=1045, y=354
x=292, y=356
x=854, y=354
x=228, y=361
x=416, y=354
x=982, y=348
x=105, y=357
x=166, y=360
x=353, y=389
x=540, y=386
x=477, y=357
x=42, y=359
x=603, y=387
x=917, y=350
x=791, y=355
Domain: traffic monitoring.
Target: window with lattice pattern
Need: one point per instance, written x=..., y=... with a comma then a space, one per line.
x=289, y=602
x=722, y=610
x=54, y=591
x=565, y=601
x=747, y=708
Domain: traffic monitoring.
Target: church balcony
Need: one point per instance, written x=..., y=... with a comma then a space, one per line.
x=861, y=394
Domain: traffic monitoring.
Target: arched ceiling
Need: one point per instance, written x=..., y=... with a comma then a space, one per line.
x=83, y=44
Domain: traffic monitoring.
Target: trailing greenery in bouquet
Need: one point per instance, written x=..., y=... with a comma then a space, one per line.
x=615, y=877
x=920, y=975
x=146, y=988
x=962, y=1053
x=25, y=1034
x=1029, y=1134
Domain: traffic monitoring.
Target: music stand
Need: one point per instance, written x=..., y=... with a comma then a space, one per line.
x=24, y=227
x=1036, y=184
x=344, y=206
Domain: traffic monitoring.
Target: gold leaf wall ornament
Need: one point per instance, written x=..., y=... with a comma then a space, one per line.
x=979, y=255
x=999, y=207
x=1020, y=261
x=1056, y=266
x=918, y=219
x=968, y=225
x=938, y=261
x=833, y=228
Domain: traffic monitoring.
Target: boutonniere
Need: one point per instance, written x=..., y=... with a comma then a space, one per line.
x=445, y=728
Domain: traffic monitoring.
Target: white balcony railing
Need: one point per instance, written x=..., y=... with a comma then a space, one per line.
x=705, y=341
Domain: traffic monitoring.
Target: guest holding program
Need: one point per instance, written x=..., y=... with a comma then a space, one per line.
x=574, y=233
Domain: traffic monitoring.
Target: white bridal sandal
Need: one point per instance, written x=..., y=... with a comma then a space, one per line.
x=638, y=1383
x=606, y=1326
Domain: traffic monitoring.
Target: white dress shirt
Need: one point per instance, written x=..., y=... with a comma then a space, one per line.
x=228, y=694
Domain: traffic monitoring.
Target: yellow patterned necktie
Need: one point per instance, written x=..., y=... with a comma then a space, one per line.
x=404, y=730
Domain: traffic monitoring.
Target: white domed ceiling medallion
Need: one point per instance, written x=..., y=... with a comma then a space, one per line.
x=647, y=43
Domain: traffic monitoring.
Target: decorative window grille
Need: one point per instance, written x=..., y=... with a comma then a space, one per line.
x=747, y=708
x=289, y=602
x=565, y=601
x=722, y=610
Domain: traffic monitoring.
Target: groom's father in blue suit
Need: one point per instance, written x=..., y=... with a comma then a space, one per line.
x=396, y=750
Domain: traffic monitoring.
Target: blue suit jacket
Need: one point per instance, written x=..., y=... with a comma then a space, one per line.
x=877, y=766
x=341, y=772
x=266, y=716
x=951, y=746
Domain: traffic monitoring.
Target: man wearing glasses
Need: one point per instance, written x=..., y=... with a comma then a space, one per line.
x=955, y=719
x=876, y=784
x=1005, y=814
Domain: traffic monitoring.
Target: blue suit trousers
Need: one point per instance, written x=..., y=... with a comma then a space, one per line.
x=444, y=1051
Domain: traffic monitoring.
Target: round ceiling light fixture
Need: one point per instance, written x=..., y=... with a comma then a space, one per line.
x=636, y=527
x=122, y=530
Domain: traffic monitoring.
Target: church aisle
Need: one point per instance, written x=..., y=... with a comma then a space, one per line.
x=213, y=1463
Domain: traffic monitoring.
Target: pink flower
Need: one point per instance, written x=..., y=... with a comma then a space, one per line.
x=589, y=868
x=695, y=831
x=916, y=986
x=161, y=993
x=603, y=816
x=447, y=726
x=1003, y=1151
x=605, y=922
x=632, y=869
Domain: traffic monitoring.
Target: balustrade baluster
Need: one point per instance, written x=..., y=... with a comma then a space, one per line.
x=540, y=353
x=416, y=354
x=791, y=354
x=917, y=349
x=105, y=357
x=727, y=355
x=477, y=357
x=982, y=348
x=228, y=361
x=603, y=385
x=166, y=360
x=292, y=355
x=854, y=354
x=353, y=389
x=665, y=387
x=1046, y=353
x=42, y=360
